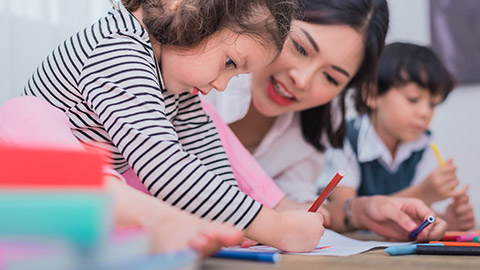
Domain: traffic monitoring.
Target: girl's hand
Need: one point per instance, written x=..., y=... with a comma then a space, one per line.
x=440, y=184
x=286, y=204
x=459, y=214
x=291, y=231
x=248, y=243
x=297, y=228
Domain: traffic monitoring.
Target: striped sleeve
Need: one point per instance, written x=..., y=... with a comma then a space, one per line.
x=120, y=84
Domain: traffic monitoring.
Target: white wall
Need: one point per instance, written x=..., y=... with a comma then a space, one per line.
x=30, y=29
x=456, y=124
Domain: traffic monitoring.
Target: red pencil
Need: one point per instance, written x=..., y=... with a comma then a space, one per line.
x=326, y=192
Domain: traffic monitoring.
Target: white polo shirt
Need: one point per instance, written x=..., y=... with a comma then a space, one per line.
x=371, y=147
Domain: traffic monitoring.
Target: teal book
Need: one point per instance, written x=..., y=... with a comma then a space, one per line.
x=81, y=217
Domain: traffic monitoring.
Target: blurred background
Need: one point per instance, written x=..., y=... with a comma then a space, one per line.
x=30, y=29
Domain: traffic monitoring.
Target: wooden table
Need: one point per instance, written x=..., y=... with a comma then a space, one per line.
x=374, y=259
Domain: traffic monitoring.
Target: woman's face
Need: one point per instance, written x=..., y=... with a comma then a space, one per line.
x=316, y=64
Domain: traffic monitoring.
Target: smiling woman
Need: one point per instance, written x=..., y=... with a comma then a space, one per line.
x=285, y=116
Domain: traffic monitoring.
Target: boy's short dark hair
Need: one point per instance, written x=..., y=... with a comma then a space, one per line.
x=402, y=63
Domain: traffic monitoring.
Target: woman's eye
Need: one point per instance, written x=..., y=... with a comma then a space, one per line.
x=412, y=100
x=299, y=48
x=230, y=63
x=330, y=79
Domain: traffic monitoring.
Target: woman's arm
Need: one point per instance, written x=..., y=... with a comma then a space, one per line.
x=250, y=176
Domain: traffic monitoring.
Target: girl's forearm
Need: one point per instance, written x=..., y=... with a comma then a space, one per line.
x=265, y=227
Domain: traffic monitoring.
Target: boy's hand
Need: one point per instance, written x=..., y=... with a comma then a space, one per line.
x=395, y=217
x=459, y=214
x=440, y=184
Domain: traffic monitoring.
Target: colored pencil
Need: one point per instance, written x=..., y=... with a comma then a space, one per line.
x=456, y=244
x=465, y=238
x=413, y=235
x=326, y=192
x=406, y=249
x=452, y=235
x=437, y=154
x=447, y=250
x=271, y=257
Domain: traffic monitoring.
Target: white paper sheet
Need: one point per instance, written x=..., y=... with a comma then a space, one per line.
x=338, y=245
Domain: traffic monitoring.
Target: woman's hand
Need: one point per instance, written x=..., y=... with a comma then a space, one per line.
x=395, y=217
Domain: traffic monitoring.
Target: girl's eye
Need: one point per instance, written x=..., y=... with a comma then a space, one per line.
x=299, y=48
x=330, y=79
x=230, y=63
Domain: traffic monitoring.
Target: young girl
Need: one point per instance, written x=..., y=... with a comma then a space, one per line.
x=286, y=111
x=387, y=149
x=129, y=85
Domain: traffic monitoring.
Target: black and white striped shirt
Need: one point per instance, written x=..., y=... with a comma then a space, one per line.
x=106, y=80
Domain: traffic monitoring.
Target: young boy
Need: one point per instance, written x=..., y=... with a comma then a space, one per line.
x=387, y=147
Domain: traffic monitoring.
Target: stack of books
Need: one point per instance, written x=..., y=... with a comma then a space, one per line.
x=55, y=213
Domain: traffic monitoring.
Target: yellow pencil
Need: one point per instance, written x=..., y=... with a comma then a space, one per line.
x=437, y=154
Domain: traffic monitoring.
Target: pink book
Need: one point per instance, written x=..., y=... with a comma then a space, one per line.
x=49, y=168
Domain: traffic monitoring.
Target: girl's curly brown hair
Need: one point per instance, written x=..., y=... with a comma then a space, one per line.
x=192, y=21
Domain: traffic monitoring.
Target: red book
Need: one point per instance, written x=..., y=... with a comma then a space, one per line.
x=48, y=168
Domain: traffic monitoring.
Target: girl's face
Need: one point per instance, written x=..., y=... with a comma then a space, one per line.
x=316, y=64
x=403, y=113
x=213, y=63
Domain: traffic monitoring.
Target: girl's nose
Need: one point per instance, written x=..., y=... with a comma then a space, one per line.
x=220, y=84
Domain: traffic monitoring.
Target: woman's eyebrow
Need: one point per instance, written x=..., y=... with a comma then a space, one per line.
x=309, y=37
x=341, y=70
x=315, y=47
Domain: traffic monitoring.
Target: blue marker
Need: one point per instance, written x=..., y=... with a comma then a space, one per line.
x=413, y=235
x=407, y=249
x=271, y=257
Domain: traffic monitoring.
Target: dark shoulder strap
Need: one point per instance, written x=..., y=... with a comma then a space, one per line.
x=352, y=135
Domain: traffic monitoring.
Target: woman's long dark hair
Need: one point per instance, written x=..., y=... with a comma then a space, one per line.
x=369, y=17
